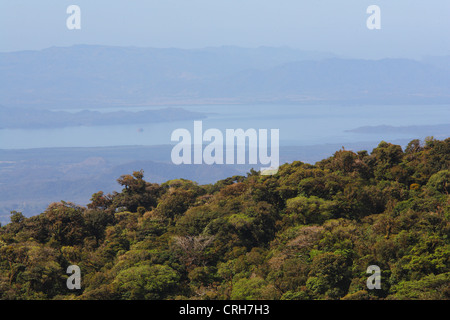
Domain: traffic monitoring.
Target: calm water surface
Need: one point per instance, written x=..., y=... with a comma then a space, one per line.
x=299, y=125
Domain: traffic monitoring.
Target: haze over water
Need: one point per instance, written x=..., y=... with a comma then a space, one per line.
x=300, y=125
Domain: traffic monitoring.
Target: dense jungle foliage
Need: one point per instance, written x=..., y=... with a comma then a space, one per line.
x=307, y=232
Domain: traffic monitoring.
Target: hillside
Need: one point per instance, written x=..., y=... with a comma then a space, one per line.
x=309, y=232
x=31, y=179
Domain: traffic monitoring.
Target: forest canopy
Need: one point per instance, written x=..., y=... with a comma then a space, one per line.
x=307, y=232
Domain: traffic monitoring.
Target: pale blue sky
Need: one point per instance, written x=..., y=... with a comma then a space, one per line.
x=410, y=28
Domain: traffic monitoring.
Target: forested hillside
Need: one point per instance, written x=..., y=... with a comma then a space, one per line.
x=308, y=232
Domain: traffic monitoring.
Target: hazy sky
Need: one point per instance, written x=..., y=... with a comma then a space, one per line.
x=410, y=28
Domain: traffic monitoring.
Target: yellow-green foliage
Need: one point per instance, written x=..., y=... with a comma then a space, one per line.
x=306, y=232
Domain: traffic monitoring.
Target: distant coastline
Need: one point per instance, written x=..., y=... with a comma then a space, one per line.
x=17, y=118
x=439, y=129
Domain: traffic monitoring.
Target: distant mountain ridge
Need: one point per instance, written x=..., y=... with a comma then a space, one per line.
x=94, y=76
